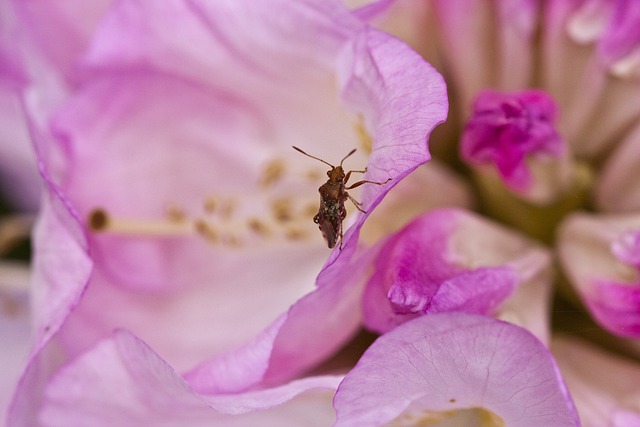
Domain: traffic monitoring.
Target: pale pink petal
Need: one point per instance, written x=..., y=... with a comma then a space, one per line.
x=296, y=341
x=454, y=361
x=60, y=31
x=470, y=30
x=122, y=381
x=61, y=266
x=593, y=255
x=604, y=386
x=596, y=108
x=617, y=188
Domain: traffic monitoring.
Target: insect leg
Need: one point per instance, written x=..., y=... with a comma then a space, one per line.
x=356, y=203
x=348, y=175
x=359, y=183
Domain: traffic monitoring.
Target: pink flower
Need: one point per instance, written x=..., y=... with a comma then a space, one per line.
x=177, y=213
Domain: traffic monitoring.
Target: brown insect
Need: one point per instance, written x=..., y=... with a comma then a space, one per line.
x=333, y=195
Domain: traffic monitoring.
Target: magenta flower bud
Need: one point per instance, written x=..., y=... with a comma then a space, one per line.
x=507, y=130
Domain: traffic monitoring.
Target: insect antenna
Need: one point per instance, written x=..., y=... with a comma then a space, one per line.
x=314, y=157
x=345, y=157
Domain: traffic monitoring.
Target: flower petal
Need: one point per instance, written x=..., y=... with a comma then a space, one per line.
x=617, y=190
x=312, y=329
x=61, y=31
x=589, y=250
x=605, y=387
x=596, y=108
x=126, y=379
x=469, y=30
x=446, y=261
x=401, y=99
x=454, y=361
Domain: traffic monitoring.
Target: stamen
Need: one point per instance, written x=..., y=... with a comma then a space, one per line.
x=259, y=227
x=310, y=209
x=175, y=212
x=295, y=233
x=281, y=209
x=100, y=221
x=210, y=204
x=227, y=208
x=272, y=173
x=206, y=230
x=314, y=175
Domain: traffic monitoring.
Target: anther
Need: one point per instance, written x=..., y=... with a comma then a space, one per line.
x=206, y=230
x=314, y=175
x=272, y=173
x=175, y=212
x=281, y=209
x=295, y=233
x=227, y=208
x=210, y=204
x=259, y=227
x=99, y=220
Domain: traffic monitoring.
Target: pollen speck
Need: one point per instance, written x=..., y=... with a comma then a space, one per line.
x=206, y=230
x=175, y=213
x=295, y=233
x=258, y=226
x=314, y=175
x=227, y=208
x=210, y=204
x=281, y=209
x=310, y=210
x=272, y=173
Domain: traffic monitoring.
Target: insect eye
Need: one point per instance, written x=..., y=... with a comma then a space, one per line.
x=329, y=173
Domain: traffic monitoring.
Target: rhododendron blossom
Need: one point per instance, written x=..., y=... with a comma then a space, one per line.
x=178, y=277
x=175, y=206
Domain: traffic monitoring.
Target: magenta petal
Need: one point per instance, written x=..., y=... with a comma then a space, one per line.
x=455, y=361
x=622, y=36
x=417, y=273
x=122, y=381
x=506, y=128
